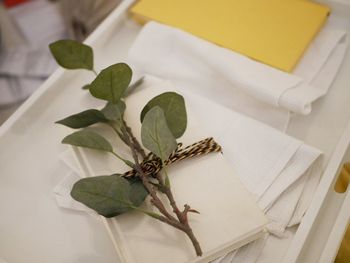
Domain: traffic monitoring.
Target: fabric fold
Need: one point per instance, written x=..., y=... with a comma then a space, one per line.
x=298, y=166
x=267, y=161
x=173, y=54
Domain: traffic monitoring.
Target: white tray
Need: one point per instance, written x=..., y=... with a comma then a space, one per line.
x=34, y=229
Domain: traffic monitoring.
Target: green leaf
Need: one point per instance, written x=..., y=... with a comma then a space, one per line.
x=174, y=109
x=138, y=192
x=114, y=111
x=107, y=195
x=88, y=139
x=72, y=54
x=112, y=82
x=83, y=119
x=155, y=134
x=85, y=87
x=167, y=181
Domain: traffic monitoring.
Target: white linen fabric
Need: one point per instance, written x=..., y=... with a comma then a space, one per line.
x=309, y=189
x=293, y=175
x=247, y=254
x=234, y=80
x=280, y=171
x=62, y=191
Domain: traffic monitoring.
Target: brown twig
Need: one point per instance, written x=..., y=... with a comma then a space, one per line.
x=181, y=223
x=150, y=188
x=182, y=216
x=136, y=143
x=129, y=139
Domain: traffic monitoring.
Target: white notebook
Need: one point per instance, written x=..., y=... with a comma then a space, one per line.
x=229, y=217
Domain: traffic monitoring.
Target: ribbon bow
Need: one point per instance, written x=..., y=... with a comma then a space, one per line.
x=152, y=164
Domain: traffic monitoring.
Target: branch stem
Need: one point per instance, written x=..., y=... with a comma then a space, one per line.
x=150, y=188
x=181, y=222
x=133, y=139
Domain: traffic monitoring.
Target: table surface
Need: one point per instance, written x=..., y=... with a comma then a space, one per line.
x=32, y=227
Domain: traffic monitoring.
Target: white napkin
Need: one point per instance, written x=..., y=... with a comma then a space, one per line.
x=265, y=250
x=273, y=166
x=62, y=190
x=297, y=167
x=251, y=146
x=267, y=161
x=261, y=250
x=234, y=80
x=246, y=254
x=274, y=248
x=310, y=186
x=249, y=253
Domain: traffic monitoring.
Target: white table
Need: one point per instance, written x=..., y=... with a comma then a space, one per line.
x=32, y=227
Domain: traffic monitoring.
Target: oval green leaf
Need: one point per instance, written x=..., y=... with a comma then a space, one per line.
x=88, y=139
x=156, y=135
x=111, y=83
x=138, y=192
x=174, y=109
x=83, y=119
x=107, y=195
x=85, y=87
x=114, y=111
x=72, y=54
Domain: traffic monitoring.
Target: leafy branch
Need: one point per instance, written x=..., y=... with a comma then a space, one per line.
x=163, y=119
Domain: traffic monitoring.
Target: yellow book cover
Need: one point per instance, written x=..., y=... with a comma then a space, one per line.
x=274, y=32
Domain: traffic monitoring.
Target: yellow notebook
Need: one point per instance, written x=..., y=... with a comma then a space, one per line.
x=275, y=32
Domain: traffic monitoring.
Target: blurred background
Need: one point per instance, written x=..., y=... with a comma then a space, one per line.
x=26, y=29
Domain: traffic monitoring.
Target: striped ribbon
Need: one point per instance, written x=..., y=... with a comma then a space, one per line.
x=152, y=164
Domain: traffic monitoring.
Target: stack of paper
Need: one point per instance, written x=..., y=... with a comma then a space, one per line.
x=270, y=31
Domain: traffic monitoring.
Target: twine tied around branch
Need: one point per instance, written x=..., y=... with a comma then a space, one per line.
x=152, y=164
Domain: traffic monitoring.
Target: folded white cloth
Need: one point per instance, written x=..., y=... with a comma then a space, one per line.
x=283, y=209
x=267, y=161
x=265, y=250
x=273, y=166
x=247, y=254
x=234, y=80
x=310, y=186
x=62, y=190
x=298, y=166
x=273, y=249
